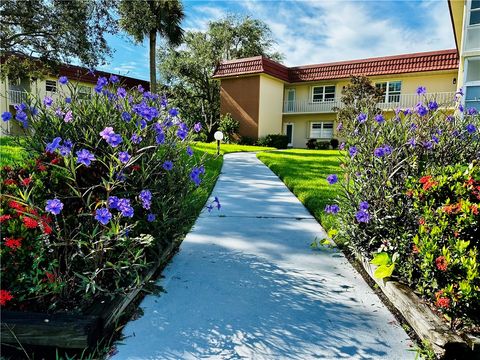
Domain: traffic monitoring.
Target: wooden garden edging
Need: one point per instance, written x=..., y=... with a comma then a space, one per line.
x=428, y=326
x=71, y=331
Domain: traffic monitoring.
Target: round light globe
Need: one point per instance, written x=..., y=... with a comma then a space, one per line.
x=218, y=135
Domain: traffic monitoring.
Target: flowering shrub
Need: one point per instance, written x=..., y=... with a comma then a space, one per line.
x=109, y=188
x=445, y=250
x=382, y=153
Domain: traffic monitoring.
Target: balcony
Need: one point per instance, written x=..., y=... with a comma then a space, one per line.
x=444, y=99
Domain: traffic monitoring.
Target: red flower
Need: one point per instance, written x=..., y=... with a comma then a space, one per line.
x=42, y=168
x=415, y=249
x=47, y=230
x=474, y=209
x=27, y=181
x=4, y=218
x=441, y=263
x=55, y=161
x=409, y=193
x=29, y=222
x=421, y=221
x=5, y=296
x=51, y=277
x=15, y=205
x=135, y=167
x=10, y=182
x=443, y=302
x=12, y=243
x=425, y=179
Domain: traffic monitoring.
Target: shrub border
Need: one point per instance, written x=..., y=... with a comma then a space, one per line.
x=427, y=325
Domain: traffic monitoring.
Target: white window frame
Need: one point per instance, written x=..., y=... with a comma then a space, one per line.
x=52, y=82
x=386, y=96
x=312, y=91
x=467, y=84
x=469, y=11
x=322, y=130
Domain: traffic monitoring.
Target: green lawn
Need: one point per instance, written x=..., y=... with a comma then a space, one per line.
x=305, y=173
x=211, y=148
x=10, y=151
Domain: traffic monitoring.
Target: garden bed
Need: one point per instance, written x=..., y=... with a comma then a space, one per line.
x=74, y=331
x=427, y=325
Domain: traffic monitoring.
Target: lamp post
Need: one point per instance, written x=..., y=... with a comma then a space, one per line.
x=218, y=136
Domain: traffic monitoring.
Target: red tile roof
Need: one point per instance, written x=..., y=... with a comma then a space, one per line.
x=409, y=63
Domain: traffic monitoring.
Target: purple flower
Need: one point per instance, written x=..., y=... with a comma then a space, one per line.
x=6, y=116
x=146, y=198
x=160, y=138
x=379, y=152
x=189, y=151
x=136, y=139
x=102, y=81
x=428, y=145
x=63, y=80
x=342, y=146
x=421, y=90
x=113, y=202
x=421, y=110
x=66, y=148
x=361, y=118
x=407, y=111
x=68, y=116
x=85, y=157
x=125, y=208
x=435, y=139
x=140, y=89
x=340, y=127
x=54, y=206
x=173, y=112
x=47, y=101
x=217, y=201
x=195, y=175
x=105, y=133
x=332, y=209
x=412, y=142
x=121, y=92
x=103, y=216
x=182, y=131
x=460, y=108
x=168, y=165
x=114, y=79
x=364, y=205
x=379, y=118
x=126, y=116
x=450, y=118
x=68, y=100
x=353, y=151
x=151, y=217
x=51, y=147
x=22, y=117
x=124, y=157
x=471, y=128
x=332, y=179
x=459, y=92
x=197, y=127
x=362, y=216
x=114, y=140
x=432, y=105
x=472, y=111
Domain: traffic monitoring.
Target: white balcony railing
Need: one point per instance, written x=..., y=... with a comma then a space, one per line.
x=17, y=96
x=444, y=99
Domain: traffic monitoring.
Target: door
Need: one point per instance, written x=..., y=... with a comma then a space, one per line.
x=288, y=130
x=291, y=100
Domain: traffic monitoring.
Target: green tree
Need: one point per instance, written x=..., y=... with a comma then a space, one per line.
x=147, y=18
x=187, y=71
x=56, y=31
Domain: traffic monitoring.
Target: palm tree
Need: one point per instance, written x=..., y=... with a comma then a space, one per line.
x=147, y=18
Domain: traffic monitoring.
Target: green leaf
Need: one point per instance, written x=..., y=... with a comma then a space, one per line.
x=384, y=271
x=380, y=259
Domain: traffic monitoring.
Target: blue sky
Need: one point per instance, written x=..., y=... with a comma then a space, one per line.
x=310, y=32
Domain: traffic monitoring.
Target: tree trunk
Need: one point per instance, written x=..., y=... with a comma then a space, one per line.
x=153, y=67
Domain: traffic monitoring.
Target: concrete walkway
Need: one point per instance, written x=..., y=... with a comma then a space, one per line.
x=246, y=285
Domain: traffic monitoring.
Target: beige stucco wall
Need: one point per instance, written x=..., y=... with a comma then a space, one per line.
x=301, y=126
x=270, y=106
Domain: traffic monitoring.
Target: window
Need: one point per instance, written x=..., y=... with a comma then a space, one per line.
x=472, y=83
x=475, y=13
x=323, y=93
x=472, y=97
x=50, y=86
x=84, y=92
x=391, y=90
x=321, y=130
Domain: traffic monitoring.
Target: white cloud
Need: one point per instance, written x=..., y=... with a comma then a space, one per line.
x=323, y=31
